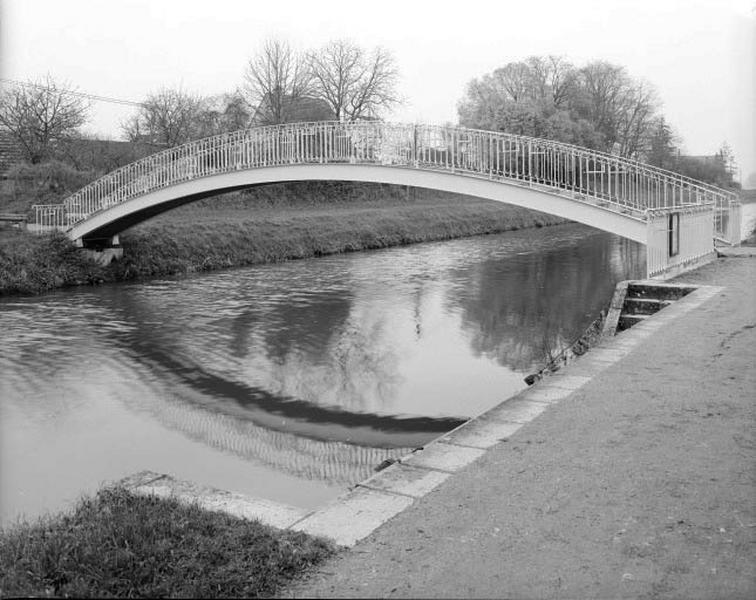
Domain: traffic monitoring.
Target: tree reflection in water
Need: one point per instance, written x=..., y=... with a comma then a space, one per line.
x=399, y=333
x=524, y=311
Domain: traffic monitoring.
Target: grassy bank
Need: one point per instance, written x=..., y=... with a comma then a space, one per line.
x=274, y=223
x=30, y=264
x=118, y=544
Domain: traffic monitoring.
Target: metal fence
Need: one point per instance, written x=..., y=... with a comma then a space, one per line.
x=49, y=216
x=585, y=175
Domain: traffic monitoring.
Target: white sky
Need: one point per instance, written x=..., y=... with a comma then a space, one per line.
x=699, y=54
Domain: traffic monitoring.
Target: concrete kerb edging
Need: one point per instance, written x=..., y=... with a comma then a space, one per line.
x=736, y=252
x=357, y=513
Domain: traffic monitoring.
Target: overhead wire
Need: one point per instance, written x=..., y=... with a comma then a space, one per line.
x=75, y=93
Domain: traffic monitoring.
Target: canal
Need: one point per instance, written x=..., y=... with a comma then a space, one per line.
x=288, y=381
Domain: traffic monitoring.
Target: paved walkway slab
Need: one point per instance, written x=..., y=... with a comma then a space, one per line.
x=354, y=516
x=209, y=498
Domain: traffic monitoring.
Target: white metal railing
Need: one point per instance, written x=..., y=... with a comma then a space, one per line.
x=585, y=175
x=50, y=216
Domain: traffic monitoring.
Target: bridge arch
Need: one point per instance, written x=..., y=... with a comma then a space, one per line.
x=676, y=217
x=113, y=220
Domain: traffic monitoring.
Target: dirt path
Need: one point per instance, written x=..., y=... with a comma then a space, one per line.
x=642, y=484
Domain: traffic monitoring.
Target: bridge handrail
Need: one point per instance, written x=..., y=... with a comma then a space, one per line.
x=623, y=159
x=542, y=141
x=600, y=154
x=412, y=144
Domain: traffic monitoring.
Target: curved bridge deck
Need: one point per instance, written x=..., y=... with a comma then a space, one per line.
x=677, y=218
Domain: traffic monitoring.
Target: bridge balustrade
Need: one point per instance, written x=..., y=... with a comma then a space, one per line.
x=612, y=182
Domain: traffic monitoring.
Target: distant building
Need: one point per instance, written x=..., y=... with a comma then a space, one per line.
x=302, y=109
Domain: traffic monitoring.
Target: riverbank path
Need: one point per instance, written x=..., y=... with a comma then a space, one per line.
x=640, y=484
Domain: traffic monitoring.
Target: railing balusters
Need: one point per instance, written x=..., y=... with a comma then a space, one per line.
x=617, y=181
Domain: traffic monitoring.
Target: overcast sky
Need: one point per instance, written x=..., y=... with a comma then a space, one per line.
x=700, y=55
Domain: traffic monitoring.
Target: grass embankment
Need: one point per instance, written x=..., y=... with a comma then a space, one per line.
x=30, y=264
x=274, y=223
x=123, y=545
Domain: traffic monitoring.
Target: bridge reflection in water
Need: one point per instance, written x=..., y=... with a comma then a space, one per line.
x=316, y=369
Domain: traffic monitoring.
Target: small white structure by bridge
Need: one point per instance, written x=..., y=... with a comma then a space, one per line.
x=677, y=218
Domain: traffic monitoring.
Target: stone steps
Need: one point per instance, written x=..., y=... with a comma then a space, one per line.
x=635, y=301
x=644, y=306
x=645, y=299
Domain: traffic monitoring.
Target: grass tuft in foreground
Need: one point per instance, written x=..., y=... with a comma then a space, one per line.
x=124, y=545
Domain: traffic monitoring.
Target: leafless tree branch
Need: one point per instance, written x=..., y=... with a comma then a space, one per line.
x=276, y=79
x=41, y=115
x=355, y=84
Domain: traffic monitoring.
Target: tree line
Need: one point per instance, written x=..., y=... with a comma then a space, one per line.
x=597, y=105
x=341, y=80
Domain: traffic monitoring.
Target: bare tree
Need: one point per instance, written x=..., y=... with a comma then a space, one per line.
x=223, y=113
x=623, y=110
x=277, y=78
x=41, y=115
x=355, y=84
x=513, y=79
x=599, y=105
x=377, y=88
x=539, y=80
x=484, y=103
x=549, y=79
x=167, y=118
x=636, y=119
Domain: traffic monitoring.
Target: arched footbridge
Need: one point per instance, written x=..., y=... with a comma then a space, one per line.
x=677, y=218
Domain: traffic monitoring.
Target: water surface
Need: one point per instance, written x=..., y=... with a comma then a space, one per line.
x=288, y=381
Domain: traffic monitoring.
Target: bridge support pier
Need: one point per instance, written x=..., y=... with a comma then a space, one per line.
x=678, y=240
x=105, y=256
x=102, y=251
x=99, y=243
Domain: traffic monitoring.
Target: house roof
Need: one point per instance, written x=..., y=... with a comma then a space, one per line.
x=301, y=109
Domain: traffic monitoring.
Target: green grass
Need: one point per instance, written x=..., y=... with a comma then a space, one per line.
x=270, y=224
x=117, y=544
x=233, y=237
x=30, y=264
